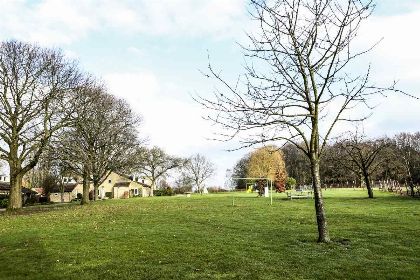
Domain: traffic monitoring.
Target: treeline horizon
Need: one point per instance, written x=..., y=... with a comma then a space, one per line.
x=353, y=161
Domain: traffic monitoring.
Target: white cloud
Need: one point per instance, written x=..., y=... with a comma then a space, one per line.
x=397, y=55
x=65, y=21
x=170, y=122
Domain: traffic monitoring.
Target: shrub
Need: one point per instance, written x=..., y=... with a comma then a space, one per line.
x=4, y=202
x=182, y=190
x=32, y=200
x=290, y=183
x=108, y=194
x=168, y=191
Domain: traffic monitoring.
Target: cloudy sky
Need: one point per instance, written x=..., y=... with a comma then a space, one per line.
x=151, y=54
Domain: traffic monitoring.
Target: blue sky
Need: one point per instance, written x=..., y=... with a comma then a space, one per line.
x=150, y=53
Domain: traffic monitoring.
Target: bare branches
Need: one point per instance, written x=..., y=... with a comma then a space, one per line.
x=35, y=86
x=155, y=163
x=297, y=84
x=296, y=68
x=101, y=137
x=199, y=169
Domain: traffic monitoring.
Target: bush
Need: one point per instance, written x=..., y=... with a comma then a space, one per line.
x=290, y=183
x=32, y=200
x=4, y=202
x=108, y=194
x=182, y=190
x=168, y=191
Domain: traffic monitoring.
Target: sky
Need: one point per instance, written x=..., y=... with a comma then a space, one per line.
x=151, y=53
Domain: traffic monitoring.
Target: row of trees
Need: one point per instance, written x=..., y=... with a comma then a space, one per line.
x=155, y=164
x=56, y=116
x=61, y=121
x=357, y=161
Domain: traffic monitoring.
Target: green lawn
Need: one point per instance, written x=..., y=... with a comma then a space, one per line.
x=205, y=237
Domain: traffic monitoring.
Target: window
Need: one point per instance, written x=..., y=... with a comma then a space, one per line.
x=136, y=191
x=109, y=181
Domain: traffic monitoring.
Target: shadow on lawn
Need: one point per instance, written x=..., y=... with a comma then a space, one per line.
x=39, y=209
x=17, y=258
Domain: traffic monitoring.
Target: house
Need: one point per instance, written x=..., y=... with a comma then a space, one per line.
x=4, y=178
x=116, y=185
x=5, y=191
x=68, y=192
x=121, y=186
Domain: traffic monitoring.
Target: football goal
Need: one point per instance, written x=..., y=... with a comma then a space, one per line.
x=260, y=185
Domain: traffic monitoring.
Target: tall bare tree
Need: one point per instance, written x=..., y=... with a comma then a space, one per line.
x=102, y=138
x=155, y=163
x=360, y=156
x=199, y=169
x=35, y=86
x=297, y=84
x=408, y=145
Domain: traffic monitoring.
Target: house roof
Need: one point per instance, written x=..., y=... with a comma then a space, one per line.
x=4, y=186
x=122, y=184
x=127, y=183
x=68, y=187
x=144, y=185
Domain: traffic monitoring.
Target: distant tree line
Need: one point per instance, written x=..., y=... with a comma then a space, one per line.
x=356, y=161
x=352, y=161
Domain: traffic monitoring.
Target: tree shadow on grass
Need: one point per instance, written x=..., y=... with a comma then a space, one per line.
x=25, y=257
x=39, y=209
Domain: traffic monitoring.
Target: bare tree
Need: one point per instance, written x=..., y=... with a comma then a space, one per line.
x=154, y=163
x=102, y=138
x=408, y=146
x=240, y=171
x=199, y=169
x=297, y=84
x=35, y=86
x=360, y=156
x=297, y=164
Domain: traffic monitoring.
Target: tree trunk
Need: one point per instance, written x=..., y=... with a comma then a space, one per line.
x=86, y=185
x=368, y=184
x=152, y=187
x=15, y=195
x=62, y=195
x=95, y=190
x=321, y=219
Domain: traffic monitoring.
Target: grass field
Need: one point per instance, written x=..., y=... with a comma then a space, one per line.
x=205, y=237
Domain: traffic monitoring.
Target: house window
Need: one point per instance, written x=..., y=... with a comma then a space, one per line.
x=136, y=191
x=142, y=181
x=109, y=181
